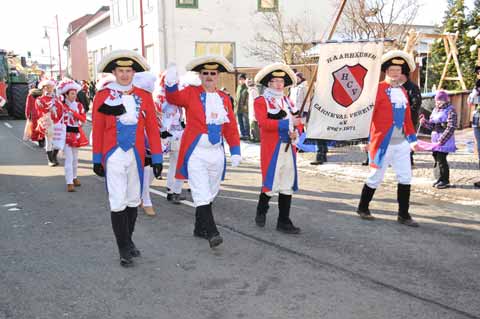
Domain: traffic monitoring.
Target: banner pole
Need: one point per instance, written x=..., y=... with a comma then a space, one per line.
x=330, y=35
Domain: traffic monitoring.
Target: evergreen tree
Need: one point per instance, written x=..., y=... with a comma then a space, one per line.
x=453, y=21
x=474, y=33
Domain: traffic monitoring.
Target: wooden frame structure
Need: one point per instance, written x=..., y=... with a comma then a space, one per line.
x=450, y=43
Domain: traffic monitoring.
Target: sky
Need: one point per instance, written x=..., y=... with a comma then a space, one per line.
x=33, y=16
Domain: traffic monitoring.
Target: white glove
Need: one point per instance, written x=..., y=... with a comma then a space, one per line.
x=171, y=77
x=236, y=159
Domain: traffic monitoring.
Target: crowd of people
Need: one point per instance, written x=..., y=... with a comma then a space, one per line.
x=137, y=119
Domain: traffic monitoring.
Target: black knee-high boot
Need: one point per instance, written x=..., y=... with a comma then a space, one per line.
x=199, y=230
x=206, y=218
x=262, y=209
x=365, y=199
x=284, y=224
x=132, y=213
x=403, y=198
x=121, y=231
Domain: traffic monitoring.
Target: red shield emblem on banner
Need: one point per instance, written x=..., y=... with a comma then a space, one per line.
x=348, y=84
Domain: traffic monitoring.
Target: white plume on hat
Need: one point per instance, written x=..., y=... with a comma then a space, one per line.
x=190, y=78
x=145, y=80
x=104, y=80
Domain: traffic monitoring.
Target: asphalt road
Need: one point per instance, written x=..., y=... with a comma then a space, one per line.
x=58, y=258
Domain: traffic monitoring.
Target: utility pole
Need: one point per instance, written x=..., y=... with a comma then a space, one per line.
x=59, y=52
x=141, y=29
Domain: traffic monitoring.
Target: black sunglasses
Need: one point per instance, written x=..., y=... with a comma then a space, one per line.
x=209, y=73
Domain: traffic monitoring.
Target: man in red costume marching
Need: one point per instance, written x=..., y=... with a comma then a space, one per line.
x=392, y=137
x=122, y=114
x=49, y=110
x=210, y=119
x=277, y=119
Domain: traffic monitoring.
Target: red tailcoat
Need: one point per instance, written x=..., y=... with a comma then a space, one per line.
x=191, y=99
x=382, y=125
x=272, y=133
x=105, y=129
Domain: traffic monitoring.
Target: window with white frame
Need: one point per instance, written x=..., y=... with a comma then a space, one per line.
x=115, y=9
x=225, y=49
x=131, y=8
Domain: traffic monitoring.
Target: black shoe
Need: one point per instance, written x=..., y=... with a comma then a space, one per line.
x=407, y=221
x=316, y=163
x=287, y=228
x=365, y=214
x=175, y=199
x=442, y=185
x=365, y=163
x=215, y=240
x=476, y=184
x=260, y=219
x=126, y=259
x=170, y=197
x=134, y=252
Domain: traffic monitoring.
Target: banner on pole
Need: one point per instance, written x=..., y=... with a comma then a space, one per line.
x=345, y=90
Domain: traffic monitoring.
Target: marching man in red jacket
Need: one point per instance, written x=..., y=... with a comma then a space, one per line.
x=277, y=119
x=210, y=119
x=122, y=113
x=392, y=137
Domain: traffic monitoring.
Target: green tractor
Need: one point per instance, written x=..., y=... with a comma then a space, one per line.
x=14, y=84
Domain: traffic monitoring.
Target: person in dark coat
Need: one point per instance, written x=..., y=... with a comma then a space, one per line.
x=83, y=98
x=415, y=100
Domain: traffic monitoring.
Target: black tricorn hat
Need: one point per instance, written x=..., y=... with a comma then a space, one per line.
x=123, y=58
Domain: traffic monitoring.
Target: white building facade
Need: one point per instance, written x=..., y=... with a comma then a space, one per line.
x=179, y=30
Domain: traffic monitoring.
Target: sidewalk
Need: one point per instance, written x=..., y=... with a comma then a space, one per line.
x=344, y=164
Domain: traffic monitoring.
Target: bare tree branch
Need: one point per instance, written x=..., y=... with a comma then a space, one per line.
x=378, y=19
x=281, y=40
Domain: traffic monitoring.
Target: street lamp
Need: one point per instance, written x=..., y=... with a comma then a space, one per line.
x=46, y=36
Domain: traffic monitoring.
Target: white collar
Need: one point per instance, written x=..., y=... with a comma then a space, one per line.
x=117, y=87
